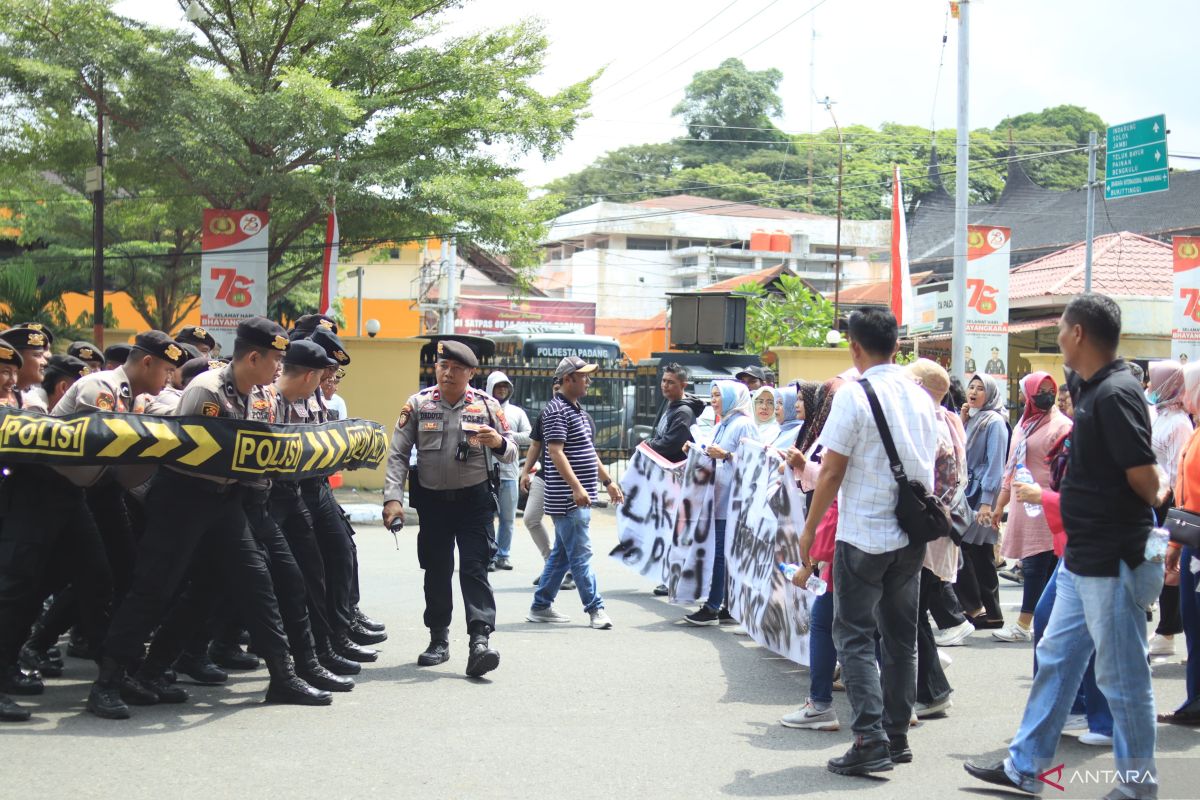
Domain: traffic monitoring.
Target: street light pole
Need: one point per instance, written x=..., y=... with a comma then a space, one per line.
x=837, y=250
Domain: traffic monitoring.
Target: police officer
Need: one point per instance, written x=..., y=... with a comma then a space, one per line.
x=89, y=354
x=10, y=370
x=460, y=433
x=115, y=355
x=32, y=341
x=198, y=337
x=182, y=509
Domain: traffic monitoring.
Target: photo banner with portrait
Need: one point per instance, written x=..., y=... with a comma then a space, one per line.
x=986, y=349
x=1185, y=328
x=766, y=517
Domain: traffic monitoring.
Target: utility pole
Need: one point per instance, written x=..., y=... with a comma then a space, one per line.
x=961, y=190
x=812, y=96
x=450, y=302
x=98, y=226
x=837, y=249
x=1091, y=212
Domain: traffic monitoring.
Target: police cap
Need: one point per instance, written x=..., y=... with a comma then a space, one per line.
x=194, y=334
x=23, y=337
x=262, y=332
x=457, y=351
x=9, y=355
x=312, y=322
x=117, y=353
x=194, y=366
x=37, y=326
x=308, y=354
x=86, y=352
x=160, y=345
x=67, y=366
x=191, y=350
x=332, y=345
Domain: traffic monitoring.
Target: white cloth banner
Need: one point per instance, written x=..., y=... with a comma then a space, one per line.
x=766, y=517
x=689, y=566
x=646, y=520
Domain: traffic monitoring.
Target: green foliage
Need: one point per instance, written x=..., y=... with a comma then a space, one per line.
x=732, y=106
x=795, y=317
x=277, y=106
x=32, y=289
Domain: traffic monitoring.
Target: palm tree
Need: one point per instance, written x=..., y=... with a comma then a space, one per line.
x=32, y=290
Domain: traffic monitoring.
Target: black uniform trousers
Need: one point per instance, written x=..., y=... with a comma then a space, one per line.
x=291, y=591
x=188, y=516
x=48, y=537
x=293, y=518
x=337, y=551
x=462, y=517
x=931, y=678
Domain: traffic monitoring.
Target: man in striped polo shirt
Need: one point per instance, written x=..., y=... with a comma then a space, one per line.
x=571, y=473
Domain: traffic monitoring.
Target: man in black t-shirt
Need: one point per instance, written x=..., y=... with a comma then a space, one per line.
x=1105, y=582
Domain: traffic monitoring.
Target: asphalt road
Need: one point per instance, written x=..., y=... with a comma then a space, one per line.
x=650, y=709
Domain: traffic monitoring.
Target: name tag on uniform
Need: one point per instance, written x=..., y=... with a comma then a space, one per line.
x=431, y=425
x=474, y=408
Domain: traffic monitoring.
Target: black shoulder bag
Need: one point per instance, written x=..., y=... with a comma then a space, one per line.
x=1183, y=526
x=921, y=515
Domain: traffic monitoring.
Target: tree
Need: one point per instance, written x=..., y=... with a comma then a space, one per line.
x=792, y=317
x=281, y=106
x=732, y=106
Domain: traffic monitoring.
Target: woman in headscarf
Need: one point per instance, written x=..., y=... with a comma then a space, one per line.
x=978, y=587
x=941, y=555
x=766, y=400
x=1026, y=537
x=732, y=404
x=1184, y=559
x=1169, y=434
x=790, y=416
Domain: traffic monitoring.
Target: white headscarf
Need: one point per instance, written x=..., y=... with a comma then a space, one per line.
x=768, y=431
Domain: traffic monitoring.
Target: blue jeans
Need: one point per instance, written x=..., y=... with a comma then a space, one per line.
x=822, y=654
x=508, y=513
x=1191, y=624
x=1089, y=700
x=1035, y=574
x=572, y=552
x=716, y=593
x=1105, y=616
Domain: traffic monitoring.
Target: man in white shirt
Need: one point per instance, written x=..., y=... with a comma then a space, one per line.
x=876, y=569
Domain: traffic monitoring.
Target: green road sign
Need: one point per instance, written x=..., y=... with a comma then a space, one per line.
x=1135, y=160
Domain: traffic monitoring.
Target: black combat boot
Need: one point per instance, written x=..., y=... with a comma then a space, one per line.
x=344, y=647
x=482, y=658
x=104, y=700
x=11, y=712
x=78, y=646
x=231, y=656
x=201, y=669
x=308, y=667
x=333, y=662
x=438, y=651
x=14, y=681
x=154, y=680
x=367, y=622
x=363, y=637
x=36, y=655
x=287, y=687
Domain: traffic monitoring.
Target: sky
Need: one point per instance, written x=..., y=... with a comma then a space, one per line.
x=877, y=60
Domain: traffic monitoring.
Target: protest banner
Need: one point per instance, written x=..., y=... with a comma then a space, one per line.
x=765, y=520
x=689, y=567
x=646, y=520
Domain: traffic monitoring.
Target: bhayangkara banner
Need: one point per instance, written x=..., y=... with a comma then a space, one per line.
x=766, y=518
x=226, y=448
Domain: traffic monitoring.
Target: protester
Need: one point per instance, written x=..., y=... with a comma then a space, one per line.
x=501, y=388
x=765, y=400
x=673, y=428
x=1169, y=434
x=1185, y=561
x=789, y=415
x=731, y=400
x=1105, y=583
x=877, y=568
x=1064, y=401
x=1028, y=537
x=753, y=377
x=977, y=586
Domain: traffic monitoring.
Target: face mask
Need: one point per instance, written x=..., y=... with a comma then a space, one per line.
x=972, y=411
x=1043, y=401
x=1152, y=397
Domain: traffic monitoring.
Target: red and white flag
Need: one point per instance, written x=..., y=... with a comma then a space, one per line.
x=902, y=302
x=329, y=273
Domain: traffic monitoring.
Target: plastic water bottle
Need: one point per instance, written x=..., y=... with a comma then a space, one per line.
x=1023, y=475
x=1156, y=545
x=814, y=583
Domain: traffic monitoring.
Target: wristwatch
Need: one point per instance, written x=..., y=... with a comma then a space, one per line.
x=607, y=482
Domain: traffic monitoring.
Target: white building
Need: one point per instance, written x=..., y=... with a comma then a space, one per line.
x=625, y=257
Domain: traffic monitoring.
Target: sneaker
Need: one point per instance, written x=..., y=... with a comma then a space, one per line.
x=1013, y=632
x=547, y=614
x=807, y=717
x=1076, y=722
x=1162, y=645
x=661, y=590
x=725, y=618
x=1013, y=574
x=600, y=620
x=568, y=584
x=937, y=708
x=953, y=637
x=944, y=660
x=863, y=758
x=1096, y=739
x=704, y=617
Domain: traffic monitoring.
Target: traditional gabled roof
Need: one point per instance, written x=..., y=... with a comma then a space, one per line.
x=1123, y=265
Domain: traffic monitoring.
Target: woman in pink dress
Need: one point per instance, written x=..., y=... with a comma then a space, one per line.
x=1026, y=537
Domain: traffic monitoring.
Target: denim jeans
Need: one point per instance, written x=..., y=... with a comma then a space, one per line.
x=716, y=593
x=878, y=593
x=1105, y=616
x=1190, y=614
x=1035, y=574
x=1089, y=699
x=572, y=552
x=822, y=655
x=507, y=513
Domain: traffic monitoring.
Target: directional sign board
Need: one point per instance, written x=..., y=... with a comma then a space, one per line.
x=1135, y=160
